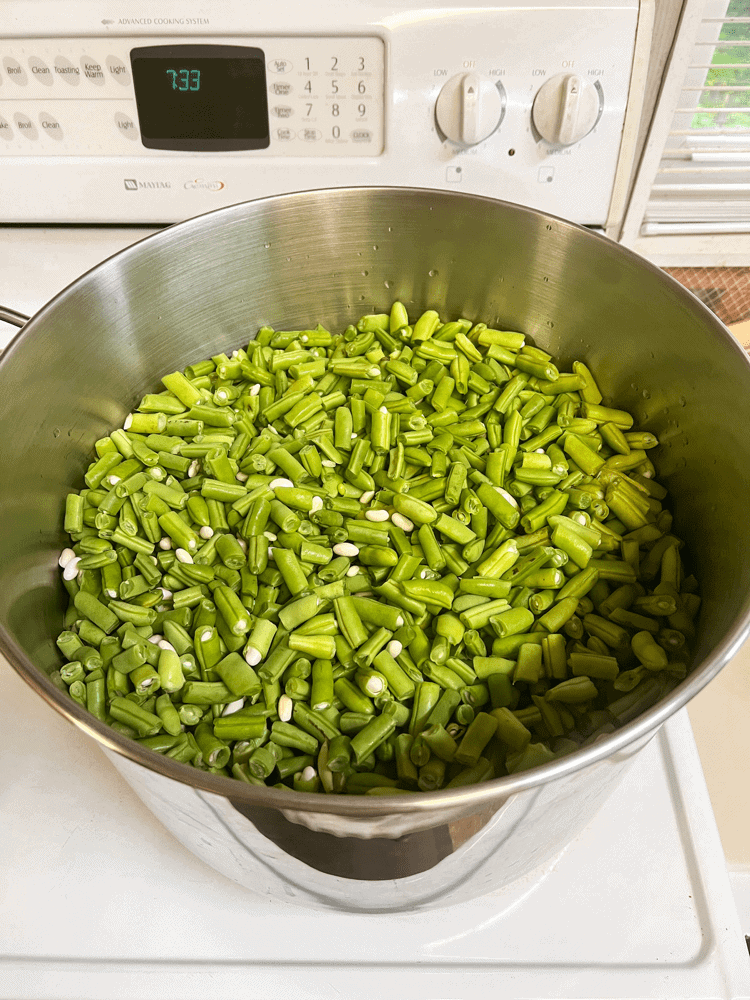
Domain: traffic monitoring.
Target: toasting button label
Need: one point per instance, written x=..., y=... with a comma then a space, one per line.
x=70, y=73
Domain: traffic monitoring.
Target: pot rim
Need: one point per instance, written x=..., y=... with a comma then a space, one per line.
x=479, y=795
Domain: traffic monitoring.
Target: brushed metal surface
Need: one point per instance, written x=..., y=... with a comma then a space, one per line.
x=206, y=285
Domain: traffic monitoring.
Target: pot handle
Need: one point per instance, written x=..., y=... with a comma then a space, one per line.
x=13, y=317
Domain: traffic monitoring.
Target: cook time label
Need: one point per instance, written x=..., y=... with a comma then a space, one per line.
x=326, y=97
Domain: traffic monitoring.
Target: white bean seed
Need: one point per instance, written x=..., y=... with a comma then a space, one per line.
x=252, y=656
x=71, y=570
x=402, y=522
x=275, y=483
x=65, y=556
x=183, y=556
x=285, y=707
x=206, y=531
x=346, y=549
x=377, y=515
x=395, y=648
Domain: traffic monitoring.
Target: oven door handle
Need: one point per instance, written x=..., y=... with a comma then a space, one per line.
x=14, y=318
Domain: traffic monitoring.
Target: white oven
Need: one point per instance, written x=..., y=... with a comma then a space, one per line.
x=119, y=117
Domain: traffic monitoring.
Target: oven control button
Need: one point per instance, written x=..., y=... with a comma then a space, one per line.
x=64, y=68
x=566, y=108
x=50, y=126
x=126, y=126
x=117, y=70
x=40, y=71
x=15, y=71
x=6, y=131
x=25, y=126
x=92, y=70
x=469, y=108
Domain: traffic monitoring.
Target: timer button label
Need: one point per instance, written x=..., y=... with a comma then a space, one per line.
x=65, y=69
x=25, y=126
x=40, y=71
x=282, y=111
x=15, y=71
x=118, y=70
x=50, y=126
x=281, y=89
x=126, y=126
x=279, y=66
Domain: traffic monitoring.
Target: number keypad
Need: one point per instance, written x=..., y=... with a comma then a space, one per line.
x=334, y=94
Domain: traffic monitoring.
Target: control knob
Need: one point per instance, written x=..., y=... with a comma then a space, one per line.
x=566, y=108
x=469, y=108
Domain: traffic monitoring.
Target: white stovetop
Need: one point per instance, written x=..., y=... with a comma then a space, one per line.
x=98, y=900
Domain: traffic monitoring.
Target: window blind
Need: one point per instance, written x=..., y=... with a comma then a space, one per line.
x=702, y=182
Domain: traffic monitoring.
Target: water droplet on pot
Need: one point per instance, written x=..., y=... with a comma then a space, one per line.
x=646, y=394
x=387, y=284
x=288, y=259
x=545, y=278
x=365, y=273
x=682, y=401
x=267, y=245
x=374, y=246
x=432, y=272
x=56, y=432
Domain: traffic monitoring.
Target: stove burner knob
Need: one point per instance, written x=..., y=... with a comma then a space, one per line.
x=566, y=108
x=469, y=108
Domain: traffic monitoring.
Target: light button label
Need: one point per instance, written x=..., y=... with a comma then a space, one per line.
x=126, y=126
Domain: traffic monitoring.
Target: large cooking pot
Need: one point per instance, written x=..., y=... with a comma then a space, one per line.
x=205, y=286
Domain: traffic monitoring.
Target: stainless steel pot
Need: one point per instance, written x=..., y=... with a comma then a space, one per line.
x=205, y=286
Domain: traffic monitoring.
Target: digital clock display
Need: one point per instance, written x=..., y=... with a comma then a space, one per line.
x=201, y=97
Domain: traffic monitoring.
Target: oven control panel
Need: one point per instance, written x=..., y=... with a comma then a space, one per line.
x=153, y=119
x=295, y=97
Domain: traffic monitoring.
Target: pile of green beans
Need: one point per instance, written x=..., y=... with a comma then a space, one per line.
x=396, y=558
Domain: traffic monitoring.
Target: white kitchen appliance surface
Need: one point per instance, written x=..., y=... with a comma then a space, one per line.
x=99, y=901
x=120, y=113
